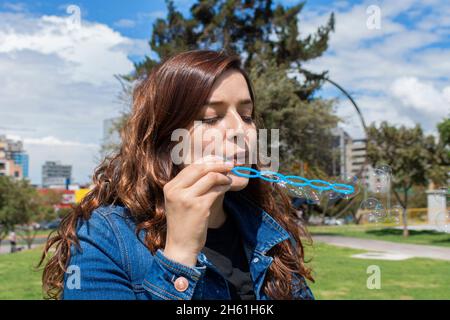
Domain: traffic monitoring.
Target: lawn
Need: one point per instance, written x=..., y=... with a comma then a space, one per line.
x=384, y=233
x=338, y=276
x=18, y=280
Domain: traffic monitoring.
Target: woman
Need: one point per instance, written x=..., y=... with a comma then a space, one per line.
x=153, y=229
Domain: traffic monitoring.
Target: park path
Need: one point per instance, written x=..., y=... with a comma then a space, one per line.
x=404, y=249
x=6, y=248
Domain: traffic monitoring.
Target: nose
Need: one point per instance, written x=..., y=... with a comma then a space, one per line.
x=235, y=127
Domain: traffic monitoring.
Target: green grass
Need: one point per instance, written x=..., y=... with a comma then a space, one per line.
x=18, y=279
x=384, y=233
x=338, y=276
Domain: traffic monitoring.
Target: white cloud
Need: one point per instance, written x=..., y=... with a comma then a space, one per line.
x=125, y=23
x=422, y=96
x=383, y=67
x=89, y=51
x=58, y=86
x=52, y=141
x=16, y=6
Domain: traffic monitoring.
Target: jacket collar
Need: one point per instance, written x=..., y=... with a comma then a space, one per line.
x=258, y=228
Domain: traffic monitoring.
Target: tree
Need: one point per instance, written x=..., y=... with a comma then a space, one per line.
x=304, y=126
x=6, y=219
x=444, y=132
x=242, y=27
x=19, y=204
x=415, y=159
x=46, y=205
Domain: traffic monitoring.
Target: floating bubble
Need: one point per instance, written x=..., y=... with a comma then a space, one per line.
x=393, y=214
x=341, y=188
x=375, y=217
x=384, y=168
x=309, y=195
x=374, y=210
x=382, y=175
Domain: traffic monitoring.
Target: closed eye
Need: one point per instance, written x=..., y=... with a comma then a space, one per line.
x=211, y=121
x=247, y=119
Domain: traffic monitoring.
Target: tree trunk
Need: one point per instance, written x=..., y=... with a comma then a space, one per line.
x=405, y=224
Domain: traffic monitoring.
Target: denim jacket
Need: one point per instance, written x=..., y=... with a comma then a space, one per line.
x=114, y=263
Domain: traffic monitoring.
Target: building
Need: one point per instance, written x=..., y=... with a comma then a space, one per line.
x=357, y=159
x=56, y=175
x=22, y=160
x=14, y=161
x=10, y=168
x=340, y=143
x=351, y=159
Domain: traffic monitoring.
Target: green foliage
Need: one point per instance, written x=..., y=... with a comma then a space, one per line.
x=238, y=26
x=18, y=203
x=415, y=159
x=444, y=132
x=21, y=205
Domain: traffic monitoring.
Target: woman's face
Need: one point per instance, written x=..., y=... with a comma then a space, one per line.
x=225, y=125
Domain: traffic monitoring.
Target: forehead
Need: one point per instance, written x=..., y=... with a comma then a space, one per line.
x=231, y=85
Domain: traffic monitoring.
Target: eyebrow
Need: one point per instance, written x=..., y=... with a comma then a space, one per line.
x=219, y=102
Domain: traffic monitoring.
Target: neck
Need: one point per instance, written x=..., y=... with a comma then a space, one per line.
x=217, y=216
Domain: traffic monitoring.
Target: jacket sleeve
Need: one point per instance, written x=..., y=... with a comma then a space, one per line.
x=160, y=280
x=96, y=271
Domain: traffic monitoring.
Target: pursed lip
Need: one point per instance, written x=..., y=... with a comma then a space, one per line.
x=239, y=157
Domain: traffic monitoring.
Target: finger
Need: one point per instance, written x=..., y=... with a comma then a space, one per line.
x=214, y=193
x=208, y=181
x=192, y=173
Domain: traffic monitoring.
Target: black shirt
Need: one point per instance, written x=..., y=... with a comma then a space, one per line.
x=224, y=248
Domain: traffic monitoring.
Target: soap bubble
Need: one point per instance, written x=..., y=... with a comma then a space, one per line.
x=348, y=187
x=374, y=210
x=306, y=193
x=393, y=214
x=382, y=175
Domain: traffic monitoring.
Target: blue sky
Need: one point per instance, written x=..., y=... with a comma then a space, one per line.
x=58, y=84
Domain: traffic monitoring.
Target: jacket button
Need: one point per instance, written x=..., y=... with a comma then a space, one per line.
x=181, y=284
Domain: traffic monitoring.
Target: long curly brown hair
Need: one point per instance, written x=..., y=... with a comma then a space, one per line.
x=168, y=98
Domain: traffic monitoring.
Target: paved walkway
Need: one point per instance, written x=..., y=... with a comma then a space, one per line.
x=6, y=248
x=409, y=250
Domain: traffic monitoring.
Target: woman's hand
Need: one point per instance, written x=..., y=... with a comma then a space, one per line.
x=188, y=200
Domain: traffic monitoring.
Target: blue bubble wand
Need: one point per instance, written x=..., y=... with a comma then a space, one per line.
x=296, y=181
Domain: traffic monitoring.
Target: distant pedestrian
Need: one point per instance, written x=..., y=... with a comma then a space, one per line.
x=13, y=241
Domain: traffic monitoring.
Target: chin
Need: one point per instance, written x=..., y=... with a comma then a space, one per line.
x=238, y=183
